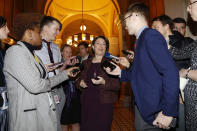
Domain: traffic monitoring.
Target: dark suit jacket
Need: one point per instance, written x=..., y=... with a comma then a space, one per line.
x=2, y=77
x=107, y=91
x=154, y=77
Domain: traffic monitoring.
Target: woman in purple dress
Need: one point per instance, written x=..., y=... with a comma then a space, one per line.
x=98, y=90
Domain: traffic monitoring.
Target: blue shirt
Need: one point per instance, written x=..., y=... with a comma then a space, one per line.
x=140, y=31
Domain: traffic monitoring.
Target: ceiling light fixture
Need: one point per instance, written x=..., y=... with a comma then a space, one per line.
x=82, y=27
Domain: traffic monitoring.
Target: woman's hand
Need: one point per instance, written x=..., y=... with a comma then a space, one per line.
x=183, y=72
x=192, y=74
x=99, y=81
x=83, y=84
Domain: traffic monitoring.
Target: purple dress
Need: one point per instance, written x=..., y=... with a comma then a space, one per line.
x=95, y=116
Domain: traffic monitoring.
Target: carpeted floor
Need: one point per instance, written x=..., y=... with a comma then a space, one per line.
x=123, y=118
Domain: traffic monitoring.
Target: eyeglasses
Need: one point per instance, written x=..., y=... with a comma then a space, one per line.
x=127, y=17
x=124, y=20
x=191, y=3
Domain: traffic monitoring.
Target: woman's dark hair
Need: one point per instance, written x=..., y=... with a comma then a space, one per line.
x=2, y=21
x=25, y=21
x=105, y=39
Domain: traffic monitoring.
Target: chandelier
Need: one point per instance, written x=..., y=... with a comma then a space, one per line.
x=75, y=39
x=82, y=27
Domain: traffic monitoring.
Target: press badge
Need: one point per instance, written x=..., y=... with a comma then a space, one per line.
x=56, y=98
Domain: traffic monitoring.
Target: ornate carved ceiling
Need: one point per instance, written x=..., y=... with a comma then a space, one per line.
x=100, y=16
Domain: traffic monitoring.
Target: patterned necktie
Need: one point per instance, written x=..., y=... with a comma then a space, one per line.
x=50, y=53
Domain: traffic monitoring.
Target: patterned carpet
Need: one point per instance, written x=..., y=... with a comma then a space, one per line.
x=123, y=118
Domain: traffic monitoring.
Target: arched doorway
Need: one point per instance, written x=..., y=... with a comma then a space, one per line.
x=100, y=17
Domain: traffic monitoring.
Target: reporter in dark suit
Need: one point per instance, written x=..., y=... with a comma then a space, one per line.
x=99, y=91
x=154, y=76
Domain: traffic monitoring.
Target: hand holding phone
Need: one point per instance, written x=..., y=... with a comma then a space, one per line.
x=51, y=67
x=74, y=71
x=98, y=81
x=76, y=60
x=107, y=63
x=129, y=54
x=56, y=64
x=124, y=62
x=126, y=52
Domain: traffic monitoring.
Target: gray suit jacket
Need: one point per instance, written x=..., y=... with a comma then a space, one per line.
x=29, y=92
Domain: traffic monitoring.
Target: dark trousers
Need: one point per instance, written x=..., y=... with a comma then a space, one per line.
x=141, y=125
x=4, y=120
x=181, y=122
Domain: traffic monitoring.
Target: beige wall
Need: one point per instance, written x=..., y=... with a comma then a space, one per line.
x=177, y=8
x=114, y=46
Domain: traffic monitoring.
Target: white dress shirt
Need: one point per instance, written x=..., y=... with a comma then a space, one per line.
x=44, y=56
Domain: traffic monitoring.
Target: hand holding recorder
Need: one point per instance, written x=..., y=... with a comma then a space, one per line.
x=129, y=54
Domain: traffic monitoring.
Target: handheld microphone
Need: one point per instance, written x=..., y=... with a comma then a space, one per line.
x=110, y=56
